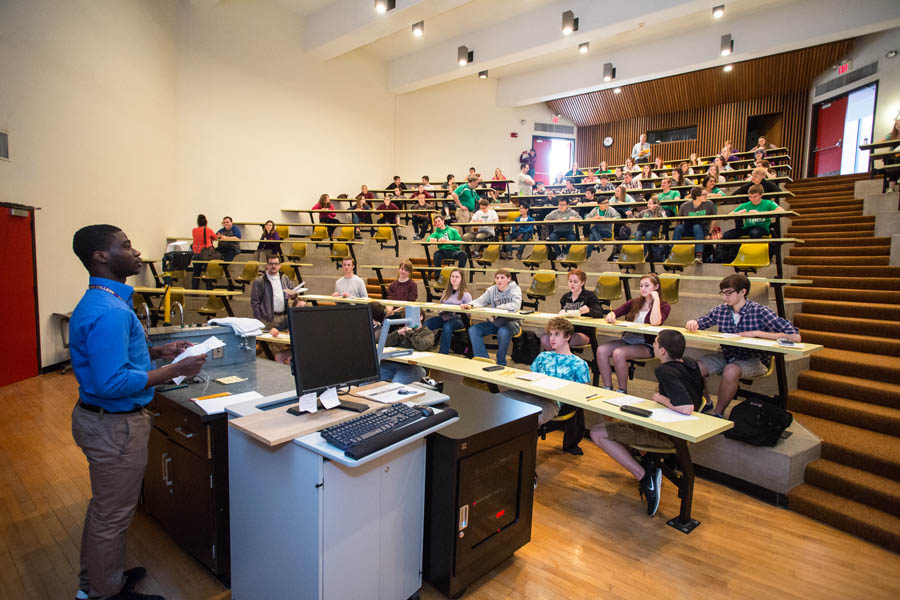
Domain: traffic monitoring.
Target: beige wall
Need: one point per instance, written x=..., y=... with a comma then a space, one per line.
x=458, y=124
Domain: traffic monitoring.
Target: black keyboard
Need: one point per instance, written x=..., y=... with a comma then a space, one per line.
x=354, y=432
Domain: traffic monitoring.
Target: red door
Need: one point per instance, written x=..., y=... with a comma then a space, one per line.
x=829, y=137
x=542, y=163
x=18, y=300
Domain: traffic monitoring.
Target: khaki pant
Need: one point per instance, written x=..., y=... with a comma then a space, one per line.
x=463, y=215
x=116, y=450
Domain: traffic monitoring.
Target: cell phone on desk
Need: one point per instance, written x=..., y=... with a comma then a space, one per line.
x=785, y=342
x=634, y=410
x=526, y=311
x=493, y=368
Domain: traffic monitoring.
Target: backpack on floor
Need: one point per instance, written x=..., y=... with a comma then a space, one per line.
x=525, y=348
x=758, y=423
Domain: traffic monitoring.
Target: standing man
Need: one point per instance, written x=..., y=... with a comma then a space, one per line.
x=466, y=198
x=524, y=181
x=111, y=361
x=640, y=152
x=269, y=295
x=229, y=239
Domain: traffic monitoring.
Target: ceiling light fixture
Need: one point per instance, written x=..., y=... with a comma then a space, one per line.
x=726, y=47
x=464, y=56
x=482, y=74
x=718, y=11
x=728, y=68
x=584, y=47
x=569, y=23
x=609, y=72
x=418, y=29
x=382, y=6
x=618, y=90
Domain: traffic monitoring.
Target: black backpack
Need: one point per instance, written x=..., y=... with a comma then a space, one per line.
x=525, y=348
x=758, y=423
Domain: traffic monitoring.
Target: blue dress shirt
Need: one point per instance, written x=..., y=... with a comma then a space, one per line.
x=109, y=352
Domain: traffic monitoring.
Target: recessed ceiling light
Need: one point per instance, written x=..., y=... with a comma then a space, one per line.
x=464, y=56
x=382, y=6
x=418, y=29
x=718, y=11
x=569, y=23
x=482, y=74
x=584, y=47
x=728, y=68
x=726, y=46
x=609, y=72
x=617, y=90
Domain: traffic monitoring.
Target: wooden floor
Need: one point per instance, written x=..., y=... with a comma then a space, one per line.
x=591, y=536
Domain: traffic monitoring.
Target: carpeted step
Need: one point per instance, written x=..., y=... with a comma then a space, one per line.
x=843, y=241
x=858, y=343
x=861, y=310
x=859, y=283
x=829, y=234
x=832, y=228
x=848, y=515
x=838, y=260
x=871, y=417
x=799, y=203
x=868, y=450
x=803, y=221
x=849, y=271
x=852, y=388
x=868, y=488
x=848, y=250
x=851, y=325
x=842, y=294
x=857, y=364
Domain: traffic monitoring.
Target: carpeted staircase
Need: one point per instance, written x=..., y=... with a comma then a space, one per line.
x=850, y=396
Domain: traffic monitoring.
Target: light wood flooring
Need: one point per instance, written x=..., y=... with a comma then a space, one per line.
x=591, y=536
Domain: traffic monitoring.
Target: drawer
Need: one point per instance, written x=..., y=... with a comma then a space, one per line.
x=181, y=426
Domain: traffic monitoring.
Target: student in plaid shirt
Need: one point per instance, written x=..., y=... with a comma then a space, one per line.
x=749, y=319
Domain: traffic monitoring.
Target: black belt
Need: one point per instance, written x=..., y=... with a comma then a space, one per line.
x=98, y=409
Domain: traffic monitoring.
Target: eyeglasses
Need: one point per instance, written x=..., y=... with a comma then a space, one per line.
x=724, y=293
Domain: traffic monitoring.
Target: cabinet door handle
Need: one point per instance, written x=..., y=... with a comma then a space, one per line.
x=165, y=471
x=181, y=431
x=152, y=414
x=166, y=462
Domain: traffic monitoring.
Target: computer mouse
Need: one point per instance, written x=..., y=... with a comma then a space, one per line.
x=426, y=411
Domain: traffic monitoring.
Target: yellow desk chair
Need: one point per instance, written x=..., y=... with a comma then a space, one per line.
x=384, y=236
x=577, y=256
x=748, y=381
x=490, y=255
x=668, y=289
x=212, y=307
x=631, y=256
x=543, y=285
x=214, y=271
x=297, y=253
x=345, y=234
x=283, y=231
x=608, y=289
x=681, y=256
x=339, y=252
x=750, y=257
x=539, y=255
x=249, y=274
x=319, y=234
x=288, y=272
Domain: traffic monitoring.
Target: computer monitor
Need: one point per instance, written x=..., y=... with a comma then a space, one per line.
x=332, y=346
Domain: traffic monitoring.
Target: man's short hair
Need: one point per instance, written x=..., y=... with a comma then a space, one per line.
x=436, y=217
x=562, y=325
x=377, y=311
x=472, y=178
x=562, y=199
x=271, y=256
x=759, y=171
x=672, y=341
x=406, y=266
x=735, y=281
x=591, y=190
x=227, y=218
x=503, y=272
x=350, y=258
x=90, y=239
x=755, y=189
x=425, y=177
x=696, y=192
x=396, y=177
x=483, y=202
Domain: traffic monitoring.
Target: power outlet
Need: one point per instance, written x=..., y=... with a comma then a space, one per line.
x=218, y=352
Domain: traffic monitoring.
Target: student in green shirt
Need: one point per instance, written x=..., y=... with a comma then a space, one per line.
x=709, y=184
x=441, y=235
x=466, y=199
x=668, y=195
x=753, y=227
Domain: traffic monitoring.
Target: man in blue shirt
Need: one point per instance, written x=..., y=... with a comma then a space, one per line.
x=111, y=361
x=229, y=239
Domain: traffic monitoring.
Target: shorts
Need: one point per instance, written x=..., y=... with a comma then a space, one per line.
x=631, y=435
x=750, y=367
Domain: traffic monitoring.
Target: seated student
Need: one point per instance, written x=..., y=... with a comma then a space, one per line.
x=581, y=301
x=562, y=231
x=709, y=184
x=686, y=171
x=604, y=185
x=753, y=227
x=603, y=168
x=365, y=194
x=694, y=160
x=420, y=189
x=466, y=198
x=668, y=195
x=621, y=196
x=402, y=288
x=269, y=232
x=446, y=321
x=361, y=212
x=269, y=296
x=659, y=164
x=521, y=233
x=763, y=144
x=653, y=215
x=646, y=308
x=646, y=176
x=727, y=152
x=570, y=188
x=713, y=171
x=203, y=238
x=630, y=167
x=698, y=205
x=390, y=218
x=557, y=362
x=762, y=163
x=349, y=285
x=679, y=181
x=326, y=217
x=229, y=239
x=722, y=164
x=499, y=181
x=442, y=235
x=629, y=182
x=589, y=178
x=680, y=388
x=450, y=184
x=574, y=174
x=426, y=183
x=421, y=221
x=389, y=370
x=506, y=295
x=590, y=197
x=485, y=233
x=758, y=177
x=396, y=184
x=749, y=319
x=618, y=174
x=539, y=188
x=601, y=231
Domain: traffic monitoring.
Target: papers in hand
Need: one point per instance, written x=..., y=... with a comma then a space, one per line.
x=301, y=288
x=214, y=406
x=211, y=343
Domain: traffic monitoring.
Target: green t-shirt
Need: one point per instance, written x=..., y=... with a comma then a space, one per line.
x=669, y=196
x=765, y=205
x=467, y=196
x=448, y=232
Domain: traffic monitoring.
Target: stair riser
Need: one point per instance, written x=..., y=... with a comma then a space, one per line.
x=842, y=367
x=842, y=295
x=842, y=251
x=857, y=283
x=867, y=531
x=827, y=323
x=823, y=410
x=847, y=456
x=842, y=241
x=851, y=271
x=846, y=488
x=881, y=346
x=874, y=261
x=810, y=382
x=802, y=221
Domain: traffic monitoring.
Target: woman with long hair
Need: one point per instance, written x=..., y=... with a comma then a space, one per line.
x=646, y=308
x=269, y=232
x=447, y=321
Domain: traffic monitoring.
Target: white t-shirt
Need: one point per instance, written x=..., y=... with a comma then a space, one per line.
x=277, y=293
x=485, y=217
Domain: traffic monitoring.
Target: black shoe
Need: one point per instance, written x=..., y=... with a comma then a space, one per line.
x=649, y=487
x=574, y=450
x=131, y=595
x=133, y=577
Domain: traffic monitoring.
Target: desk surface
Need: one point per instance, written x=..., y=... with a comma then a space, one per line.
x=609, y=241
x=185, y=291
x=665, y=218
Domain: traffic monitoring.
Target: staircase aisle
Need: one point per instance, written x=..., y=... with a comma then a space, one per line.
x=850, y=396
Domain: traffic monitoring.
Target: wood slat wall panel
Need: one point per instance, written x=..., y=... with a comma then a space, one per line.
x=715, y=125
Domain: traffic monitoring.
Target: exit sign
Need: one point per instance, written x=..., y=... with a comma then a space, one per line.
x=843, y=68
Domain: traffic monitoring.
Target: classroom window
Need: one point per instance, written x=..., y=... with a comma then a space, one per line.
x=681, y=134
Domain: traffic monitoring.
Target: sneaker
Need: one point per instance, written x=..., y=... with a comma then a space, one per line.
x=416, y=237
x=708, y=407
x=649, y=487
x=518, y=255
x=698, y=259
x=132, y=577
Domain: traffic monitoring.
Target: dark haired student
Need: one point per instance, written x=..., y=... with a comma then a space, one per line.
x=111, y=361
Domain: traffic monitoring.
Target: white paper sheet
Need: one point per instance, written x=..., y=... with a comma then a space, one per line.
x=761, y=342
x=551, y=383
x=214, y=406
x=308, y=402
x=415, y=355
x=724, y=335
x=624, y=400
x=210, y=343
x=329, y=398
x=653, y=328
x=667, y=415
x=529, y=376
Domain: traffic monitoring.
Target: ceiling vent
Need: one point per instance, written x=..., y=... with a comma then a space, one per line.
x=847, y=79
x=552, y=128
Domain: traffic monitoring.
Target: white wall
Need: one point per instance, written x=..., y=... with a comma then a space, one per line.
x=88, y=98
x=450, y=127
x=869, y=49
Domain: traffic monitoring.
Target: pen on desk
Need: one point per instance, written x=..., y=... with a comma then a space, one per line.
x=593, y=396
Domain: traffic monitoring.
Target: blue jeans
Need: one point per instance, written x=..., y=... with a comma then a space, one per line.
x=643, y=234
x=598, y=232
x=561, y=235
x=697, y=231
x=519, y=237
x=400, y=373
x=447, y=328
x=504, y=335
